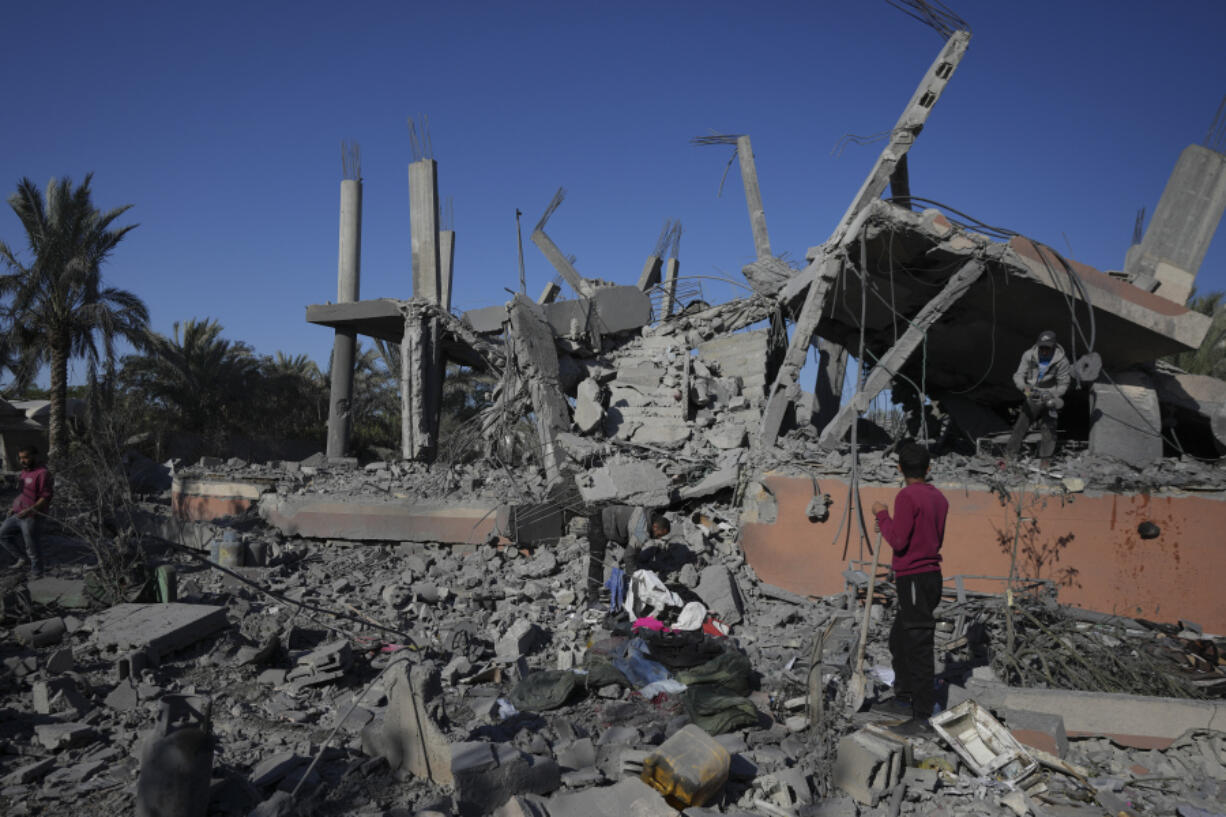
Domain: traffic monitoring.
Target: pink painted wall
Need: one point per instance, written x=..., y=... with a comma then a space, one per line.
x=1177, y=575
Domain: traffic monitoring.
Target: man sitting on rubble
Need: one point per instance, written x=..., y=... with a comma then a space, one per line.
x=627, y=525
x=1042, y=377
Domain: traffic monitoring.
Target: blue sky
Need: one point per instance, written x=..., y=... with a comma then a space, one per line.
x=222, y=124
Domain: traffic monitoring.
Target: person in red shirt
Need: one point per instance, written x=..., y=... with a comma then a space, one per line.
x=28, y=509
x=915, y=534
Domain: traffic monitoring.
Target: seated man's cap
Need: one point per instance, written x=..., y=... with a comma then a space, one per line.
x=1046, y=338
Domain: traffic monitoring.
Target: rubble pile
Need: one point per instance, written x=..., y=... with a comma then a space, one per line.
x=475, y=679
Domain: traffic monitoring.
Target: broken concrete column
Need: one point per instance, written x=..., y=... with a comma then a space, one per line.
x=348, y=274
x=533, y=345
x=753, y=196
x=1183, y=224
x=410, y=737
x=420, y=383
x=831, y=374
x=1125, y=421
x=902, y=136
x=670, y=287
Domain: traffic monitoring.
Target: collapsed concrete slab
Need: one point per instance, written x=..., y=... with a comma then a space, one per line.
x=157, y=628
x=201, y=497
x=368, y=519
x=1132, y=720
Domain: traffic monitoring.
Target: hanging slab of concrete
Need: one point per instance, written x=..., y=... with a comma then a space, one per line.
x=161, y=628
x=1132, y=720
x=1125, y=422
x=365, y=519
x=211, y=497
x=613, y=309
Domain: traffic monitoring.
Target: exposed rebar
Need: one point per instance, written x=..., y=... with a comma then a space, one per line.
x=934, y=14
x=554, y=204
x=1215, y=139
x=351, y=160
x=674, y=250
x=420, y=146
x=662, y=242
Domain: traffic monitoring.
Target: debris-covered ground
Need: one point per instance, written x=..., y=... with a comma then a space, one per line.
x=347, y=678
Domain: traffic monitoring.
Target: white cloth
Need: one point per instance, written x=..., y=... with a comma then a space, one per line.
x=691, y=616
x=647, y=596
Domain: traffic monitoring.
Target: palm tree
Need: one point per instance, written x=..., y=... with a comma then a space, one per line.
x=58, y=308
x=198, y=380
x=1210, y=358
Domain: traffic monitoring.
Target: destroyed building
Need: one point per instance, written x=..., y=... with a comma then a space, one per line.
x=414, y=637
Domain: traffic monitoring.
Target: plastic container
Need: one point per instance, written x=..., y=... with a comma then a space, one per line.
x=230, y=552
x=689, y=769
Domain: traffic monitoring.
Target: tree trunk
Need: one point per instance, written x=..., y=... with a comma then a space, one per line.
x=57, y=431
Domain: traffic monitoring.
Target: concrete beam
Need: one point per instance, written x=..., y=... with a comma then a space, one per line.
x=907, y=128
x=893, y=360
x=560, y=263
x=203, y=497
x=369, y=520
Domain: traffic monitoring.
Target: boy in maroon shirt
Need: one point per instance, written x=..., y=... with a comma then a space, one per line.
x=915, y=534
x=28, y=509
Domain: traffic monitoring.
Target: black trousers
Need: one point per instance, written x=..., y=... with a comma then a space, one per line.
x=912, y=640
x=1033, y=413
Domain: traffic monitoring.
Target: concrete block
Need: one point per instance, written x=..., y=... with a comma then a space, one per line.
x=867, y=765
x=1042, y=730
x=29, y=772
x=57, y=736
x=719, y=592
x=522, y=637
x=159, y=628
x=486, y=775
x=632, y=483
x=726, y=436
x=410, y=737
x=628, y=797
x=61, y=661
x=663, y=434
x=1125, y=421
x=61, y=592
x=42, y=633
x=589, y=413
x=615, y=309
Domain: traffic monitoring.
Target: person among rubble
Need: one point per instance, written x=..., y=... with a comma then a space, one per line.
x=915, y=534
x=1042, y=377
x=28, y=509
x=627, y=525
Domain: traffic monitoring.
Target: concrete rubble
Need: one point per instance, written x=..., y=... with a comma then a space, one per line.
x=415, y=634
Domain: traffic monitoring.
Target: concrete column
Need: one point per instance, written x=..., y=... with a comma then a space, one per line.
x=670, y=287
x=1184, y=222
x=753, y=197
x=348, y=273
x=423, y=223
x=533, y=346
x=446, y=256
x=419, y=403
x=828, y=390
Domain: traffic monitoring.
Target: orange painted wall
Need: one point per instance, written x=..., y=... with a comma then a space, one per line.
x=1178, y=575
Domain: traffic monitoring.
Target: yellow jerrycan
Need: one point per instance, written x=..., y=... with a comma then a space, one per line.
x=689, y=768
